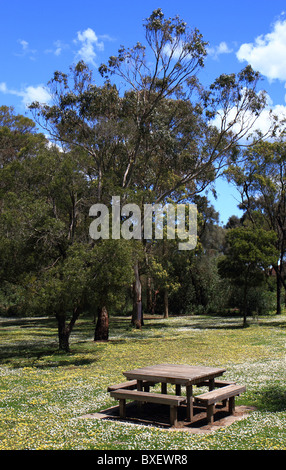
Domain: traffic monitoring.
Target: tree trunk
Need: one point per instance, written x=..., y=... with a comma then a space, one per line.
x=102, y=326
x=63, y=333
x=137, y=316
x=278, y=293
x=149, y=295
x=245, y=304
x=64, y=330
x=166, y=303
x=279, y=283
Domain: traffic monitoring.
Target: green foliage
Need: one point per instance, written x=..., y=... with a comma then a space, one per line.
x=249, y=256
x=250, y=252
x=18, y=137
x=88, y=276
x=201, y=288
x=261, y=300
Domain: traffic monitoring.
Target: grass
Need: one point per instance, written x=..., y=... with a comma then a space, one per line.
x=44, y=394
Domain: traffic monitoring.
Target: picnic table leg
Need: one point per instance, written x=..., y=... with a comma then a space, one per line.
x=139, y=388
x=122, y=408
x=189, y=391
x=173, y=416
x=211, y=384
x=163, y=387
x=146, y=387
x=139, y=385
x=178, y=389
x=210, y=414
x=231, y=405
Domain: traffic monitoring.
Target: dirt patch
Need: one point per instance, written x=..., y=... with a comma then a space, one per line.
x=151, y=414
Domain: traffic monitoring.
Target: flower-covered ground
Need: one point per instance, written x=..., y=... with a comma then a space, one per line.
x=44, y=394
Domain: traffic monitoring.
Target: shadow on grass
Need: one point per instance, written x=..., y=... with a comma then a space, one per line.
x=30, y=322
x=216, y=322
x=274, y=324
x=33, y=342
x=44, y=357
x=195, y=325
x=271, y=398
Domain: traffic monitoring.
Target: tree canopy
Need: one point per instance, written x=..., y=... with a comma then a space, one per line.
x=146, y=131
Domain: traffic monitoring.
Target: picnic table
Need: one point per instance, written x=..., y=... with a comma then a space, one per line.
x=140, y=380
x=179, y=375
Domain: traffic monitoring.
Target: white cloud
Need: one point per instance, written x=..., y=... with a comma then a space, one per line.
x=89, y=42
x=24, y=44
x=222, y=48
x=26, y=50
x=38, y=93
x=262, y=124
x=268, y=52
x=28, y=94
x=175, y=51
x=3, y=87
x=58, y=48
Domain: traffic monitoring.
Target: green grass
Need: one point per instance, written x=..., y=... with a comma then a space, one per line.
x=44, y=394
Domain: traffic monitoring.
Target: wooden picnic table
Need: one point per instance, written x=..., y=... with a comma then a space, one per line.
x=178, y=375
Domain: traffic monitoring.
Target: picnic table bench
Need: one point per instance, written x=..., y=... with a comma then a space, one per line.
x=131, y=385
x=216, y=384
x=124, y=394
x=225, y=393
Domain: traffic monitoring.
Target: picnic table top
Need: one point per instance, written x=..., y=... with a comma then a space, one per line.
x=174, y=373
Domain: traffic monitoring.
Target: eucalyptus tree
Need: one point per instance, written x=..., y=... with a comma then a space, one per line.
x=261, y=181
x=19, y=145
x=249, y=254
x=151, y=132
x=19, y=138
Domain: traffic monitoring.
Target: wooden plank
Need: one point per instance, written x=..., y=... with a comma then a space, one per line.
x=175, y=370
x=217, y=383
x=174, y=373
x=148, y=397
x=181, y=369
x=221, y=394
x=130, y=384
x=224, y=383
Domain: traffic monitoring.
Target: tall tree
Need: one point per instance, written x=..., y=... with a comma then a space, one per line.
x=261, y=180
x=157, y=139
x=250, y=253
x=19, y=138
x=19, y=210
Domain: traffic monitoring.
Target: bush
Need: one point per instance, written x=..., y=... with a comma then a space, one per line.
x=260, y=301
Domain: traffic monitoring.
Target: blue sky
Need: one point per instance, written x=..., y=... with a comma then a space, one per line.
x=39, y=37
